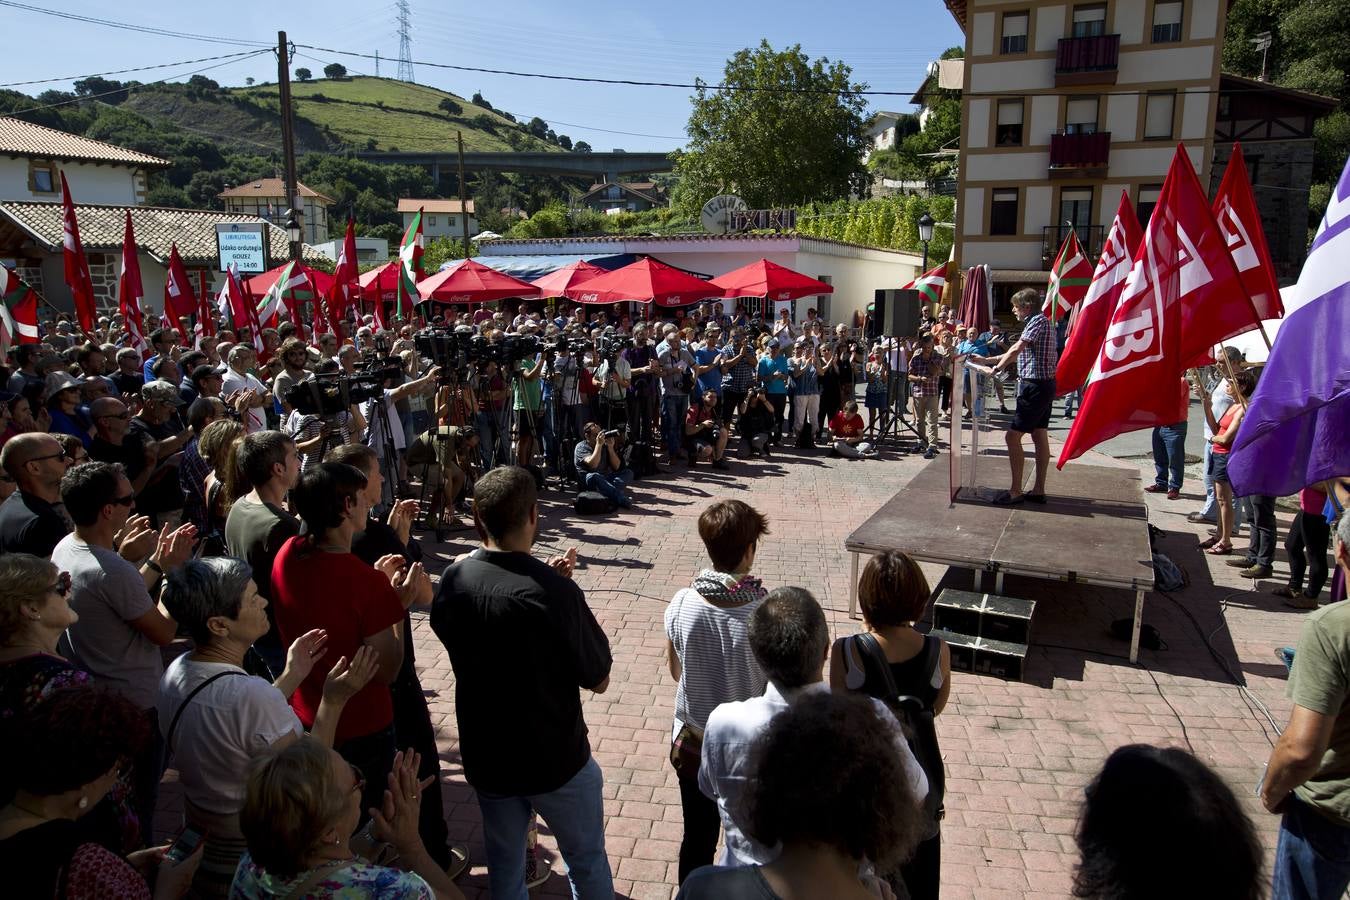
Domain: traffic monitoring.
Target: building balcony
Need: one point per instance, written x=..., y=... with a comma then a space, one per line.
x=1087, y=60
x=1080, y=155
x=1090, y=238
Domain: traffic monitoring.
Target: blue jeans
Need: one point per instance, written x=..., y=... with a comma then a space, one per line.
x=673, y=410
x=574, y=812
x=1312, y=859
x=490, y=438
x=1169, y=455
x=612, y=486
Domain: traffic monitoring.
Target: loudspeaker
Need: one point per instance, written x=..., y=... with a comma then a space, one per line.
x=898, y=312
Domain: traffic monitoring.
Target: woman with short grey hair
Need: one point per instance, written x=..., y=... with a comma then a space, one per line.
x=216, y=717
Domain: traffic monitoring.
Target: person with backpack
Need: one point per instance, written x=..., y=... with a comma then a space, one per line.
x=912, y=672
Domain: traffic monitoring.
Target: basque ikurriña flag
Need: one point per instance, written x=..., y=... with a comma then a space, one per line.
x=1069, y=279
x=1296, y=431
x=18, y=311
x=929, y=284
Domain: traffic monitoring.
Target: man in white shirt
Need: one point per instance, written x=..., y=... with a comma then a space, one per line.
x=789, y=638
x=239, y=379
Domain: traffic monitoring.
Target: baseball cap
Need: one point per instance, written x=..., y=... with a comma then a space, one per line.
x=161, y=391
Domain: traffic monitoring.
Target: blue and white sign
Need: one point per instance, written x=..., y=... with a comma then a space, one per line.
x=243, y=245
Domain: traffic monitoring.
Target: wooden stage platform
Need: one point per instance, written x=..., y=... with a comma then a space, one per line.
x=1092, y=529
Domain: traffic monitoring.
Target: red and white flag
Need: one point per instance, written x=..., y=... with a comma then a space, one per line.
x=236, y=304
x=1088, y=321
x=929, y=284
x=77, y=266
x=1136, y=380
x=346, y=290
x=179, y=300
x=18, y=311
x=1240, y=222
x=205, y=325
x=130, y=291
x=1069, y=279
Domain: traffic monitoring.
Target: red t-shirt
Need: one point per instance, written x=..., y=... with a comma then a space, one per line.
x=351, y=601
x=845, y=426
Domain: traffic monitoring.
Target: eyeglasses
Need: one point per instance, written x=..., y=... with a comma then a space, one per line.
x=61, y=455
x=123, y=501
x=124, y=414
x=359, y=786
x=62, y=585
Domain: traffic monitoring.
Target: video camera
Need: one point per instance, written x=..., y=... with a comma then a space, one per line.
x=334, y=393
x=450, y=350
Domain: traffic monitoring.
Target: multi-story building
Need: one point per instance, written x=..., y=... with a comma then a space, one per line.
x=1064, y=106
x=33, y=158
x=266, y=199
x=440, y=218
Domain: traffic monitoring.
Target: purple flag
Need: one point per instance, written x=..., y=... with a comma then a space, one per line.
x=1295, y=431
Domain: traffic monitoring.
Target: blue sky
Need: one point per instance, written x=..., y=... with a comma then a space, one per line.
x=887, y=44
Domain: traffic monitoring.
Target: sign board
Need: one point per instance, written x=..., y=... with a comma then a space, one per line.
x=716, y=214
x=763, y=219
x=243, y=244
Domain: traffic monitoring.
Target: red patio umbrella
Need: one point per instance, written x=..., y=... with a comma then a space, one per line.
x=259, y=285
x=554, y=284
x=381, y=281
x=769, y=280
x=976, y=300
x=473, y=282
x=647, y=280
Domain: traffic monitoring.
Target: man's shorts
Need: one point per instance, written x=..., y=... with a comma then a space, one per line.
x=1034, y=399
x=527, y=422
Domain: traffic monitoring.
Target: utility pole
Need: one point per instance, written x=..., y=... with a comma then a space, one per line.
x=295, y=227
x=463, y=203
x=377, y=63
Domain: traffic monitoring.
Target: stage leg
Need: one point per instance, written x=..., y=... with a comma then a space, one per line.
x=979, y=579
x=853, y=589
x=998, y=582
x=1138, y=621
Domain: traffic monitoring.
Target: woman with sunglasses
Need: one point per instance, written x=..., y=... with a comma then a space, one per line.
x=301, y=805
x=76, y=744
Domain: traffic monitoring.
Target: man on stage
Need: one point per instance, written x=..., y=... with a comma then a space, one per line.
x=1036, y=358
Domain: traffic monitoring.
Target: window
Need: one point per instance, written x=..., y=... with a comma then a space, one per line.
x=431, y=220
x=41, y=178
x=1010, y=123
x=1015, y=32
x=1167, y=21
x=1089, y=21
x=822, y=303
x=1080, y=116
x=612, y=193
x=1003, y=211
x=1158, y=116
x=1148, y=198
x=1075, y=207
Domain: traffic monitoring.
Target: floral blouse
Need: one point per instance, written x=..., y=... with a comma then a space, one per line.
x=349, y=882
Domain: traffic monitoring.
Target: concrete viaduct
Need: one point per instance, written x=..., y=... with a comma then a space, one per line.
x=608, y=167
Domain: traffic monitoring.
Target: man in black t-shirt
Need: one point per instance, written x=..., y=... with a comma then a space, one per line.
x=522, y=641
x=30, y=521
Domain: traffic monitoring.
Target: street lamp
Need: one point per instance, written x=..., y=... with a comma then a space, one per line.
x=294, y=234
x=926, y=224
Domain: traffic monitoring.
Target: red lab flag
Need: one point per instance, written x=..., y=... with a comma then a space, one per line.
x=205, y=326
x=346, y=289
x=179, y=299
x=77, y=266
x=1240, y=222
x=1087, y=325
x=130, y=290
x=242, y=311
x=1136, y=380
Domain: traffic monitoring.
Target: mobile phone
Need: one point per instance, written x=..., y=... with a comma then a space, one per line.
x=189, y=839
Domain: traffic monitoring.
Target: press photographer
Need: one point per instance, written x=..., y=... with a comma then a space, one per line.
x=599, y=467
x=443, y=459
x=704, y=437
x=613, y=375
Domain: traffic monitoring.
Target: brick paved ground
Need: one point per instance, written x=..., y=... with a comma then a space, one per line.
x=1018, y=754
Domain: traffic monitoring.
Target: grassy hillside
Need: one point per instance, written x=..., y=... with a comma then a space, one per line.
x=363, y=113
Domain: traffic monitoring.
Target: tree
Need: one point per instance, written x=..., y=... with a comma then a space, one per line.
x=478, y=100
x=303, y=74
x=790, y=130
x=335, y=70
x=564, y=142
x=537, y=127
x=104, y=89
x=581, y=147
x=450, y=107
x=249, y=81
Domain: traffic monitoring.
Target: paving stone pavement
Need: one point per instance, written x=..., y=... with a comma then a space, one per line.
x=1018, y=754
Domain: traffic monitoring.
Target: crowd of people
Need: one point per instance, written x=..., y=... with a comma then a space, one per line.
x=249, y=517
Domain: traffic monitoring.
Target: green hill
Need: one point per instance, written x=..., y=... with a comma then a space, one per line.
x=367, y=113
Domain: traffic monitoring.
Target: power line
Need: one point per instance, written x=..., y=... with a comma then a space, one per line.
x=127, y=26
x=185, y=62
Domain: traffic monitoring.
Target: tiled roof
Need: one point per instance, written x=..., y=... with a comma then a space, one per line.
x=440, y=207
x=20, y=138
x=156, y=227
x=644, y=190
x=267, y=188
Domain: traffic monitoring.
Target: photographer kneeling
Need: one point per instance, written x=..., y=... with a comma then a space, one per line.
x=441, y=459
x=599, y=467
x=704, y=437
x=756, y=423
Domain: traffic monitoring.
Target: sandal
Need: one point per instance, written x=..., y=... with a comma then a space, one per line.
x=1220, y=550
x=1209, y=542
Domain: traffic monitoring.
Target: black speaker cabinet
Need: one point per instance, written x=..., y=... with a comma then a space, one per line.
x=899, y=312
x=984, y=656
x=984, y=615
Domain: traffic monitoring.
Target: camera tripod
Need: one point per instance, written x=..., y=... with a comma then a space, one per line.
x=893, y=417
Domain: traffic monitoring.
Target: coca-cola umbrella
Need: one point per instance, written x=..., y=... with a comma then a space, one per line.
x=381, y=282
x=977, y=300
x=646, y=281
x=555, y=283
x=259, y=285
x=763, y=278
x=473, y=282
